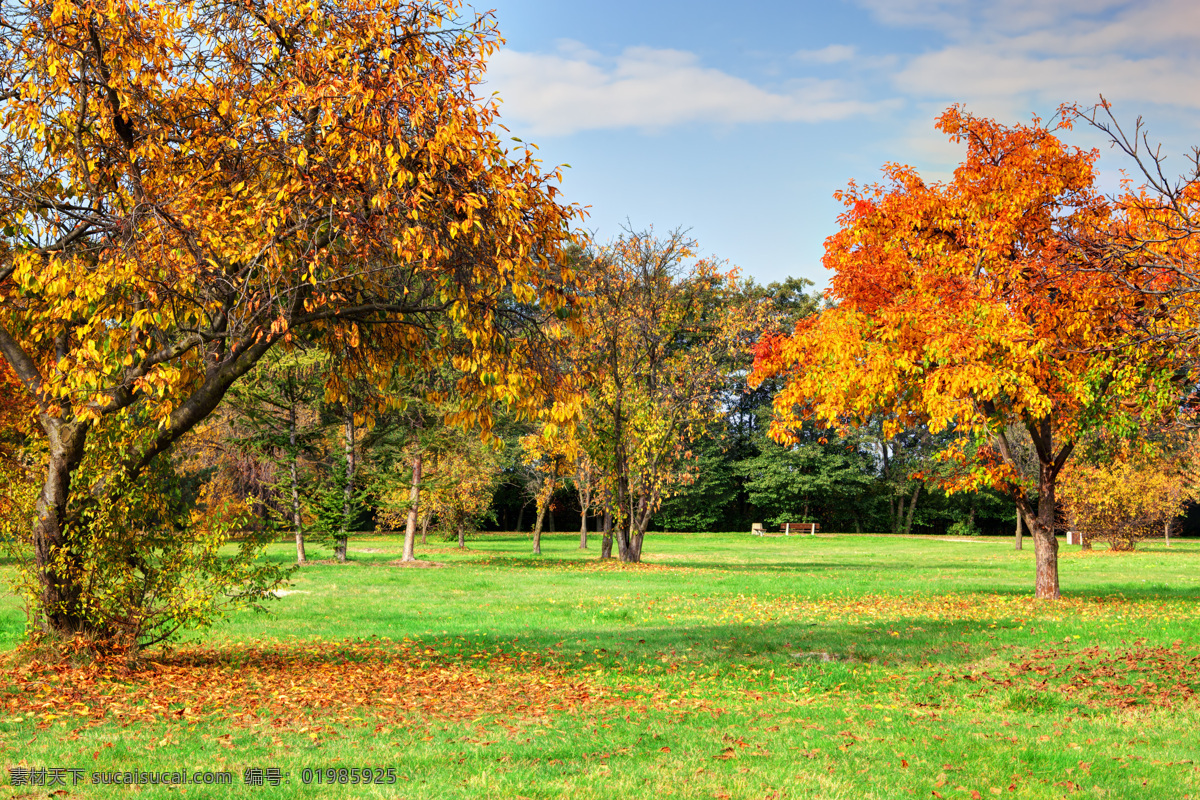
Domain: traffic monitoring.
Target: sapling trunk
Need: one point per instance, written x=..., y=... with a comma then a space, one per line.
x=414, y=495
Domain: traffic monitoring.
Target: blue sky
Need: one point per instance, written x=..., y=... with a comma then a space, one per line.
x=740, y=123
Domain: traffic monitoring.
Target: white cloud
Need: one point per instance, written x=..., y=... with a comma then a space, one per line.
x=577, y=89
x=1131, y=51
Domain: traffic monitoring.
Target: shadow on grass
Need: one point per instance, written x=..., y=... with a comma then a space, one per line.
x=1151, y=592
x=477, y=558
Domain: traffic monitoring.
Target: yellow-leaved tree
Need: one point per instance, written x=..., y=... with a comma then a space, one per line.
x=184, y=186
x=666, y=331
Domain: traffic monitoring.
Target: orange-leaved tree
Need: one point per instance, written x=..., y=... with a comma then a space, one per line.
x=185, y=185
x=963, y=306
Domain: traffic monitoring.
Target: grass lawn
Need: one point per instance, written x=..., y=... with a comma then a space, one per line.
x=726, y=666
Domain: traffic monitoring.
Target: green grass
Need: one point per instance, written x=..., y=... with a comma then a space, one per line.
x=727, y=665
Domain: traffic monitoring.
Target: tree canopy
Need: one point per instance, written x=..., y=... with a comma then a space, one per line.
x=966, y=306
x=185, y=185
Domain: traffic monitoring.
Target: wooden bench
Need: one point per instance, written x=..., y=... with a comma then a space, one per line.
x=789, y=528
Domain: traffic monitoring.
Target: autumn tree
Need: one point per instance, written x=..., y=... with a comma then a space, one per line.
x=546, y=459
x=460, y=482
x=1124, y=492
x=963, y=306
x=184, y=187
x=665, y=329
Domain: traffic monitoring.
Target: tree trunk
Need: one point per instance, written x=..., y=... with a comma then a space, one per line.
x=898, y=516
x=622, y=535
x=550, y=519
x=348, y=492
x=606, y=541
x=537, y=529
x=1020, y=530
x=58, y=567
x=521, y=517
x=585, y=503
x=1041, y=523
x=292, y=458
x=912, y=507
x=1167, y=532
x=1045, y=543
x=462, y=536
x=414, y=495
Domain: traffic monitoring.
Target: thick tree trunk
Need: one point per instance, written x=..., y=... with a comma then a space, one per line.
x=606, y=541
x=414, y=495
x=292, y=458
x=630, y=535
x=1045, y=543
x=1019, y=544
x=537, y=530
x=58, y=567
x=622, y=536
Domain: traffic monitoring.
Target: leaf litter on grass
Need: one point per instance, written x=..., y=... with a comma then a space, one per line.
x=289, y=686
x=1122, y=678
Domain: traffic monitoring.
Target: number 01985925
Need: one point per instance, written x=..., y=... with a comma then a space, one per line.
x=348, y=775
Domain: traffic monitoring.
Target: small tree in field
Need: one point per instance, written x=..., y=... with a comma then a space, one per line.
x=1129, y=498
x=665, y=330
x=461, y=481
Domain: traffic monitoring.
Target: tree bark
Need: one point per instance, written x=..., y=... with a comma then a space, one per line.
x=1045, y=543
x=348, y=491
x=414, y=495
x=292, y=458
x=1019, y=544
x=58, y=567
x=1167, y=532
x=606, y=541
x=537, y=529
x=462, y=536
x=521, y=517
x=585, y=503
x=1041, y=522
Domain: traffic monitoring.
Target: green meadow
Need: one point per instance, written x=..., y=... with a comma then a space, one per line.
x=725, y=666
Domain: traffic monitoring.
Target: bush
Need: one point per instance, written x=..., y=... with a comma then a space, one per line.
x=962, y=528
